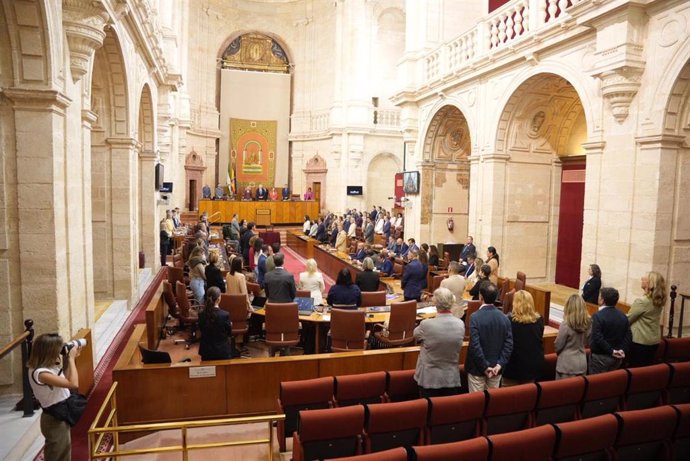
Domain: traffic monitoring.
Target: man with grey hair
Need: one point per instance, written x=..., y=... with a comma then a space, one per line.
x=456, y=284
x=440, y=338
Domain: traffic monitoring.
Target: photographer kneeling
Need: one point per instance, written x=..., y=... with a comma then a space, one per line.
x=51, y=379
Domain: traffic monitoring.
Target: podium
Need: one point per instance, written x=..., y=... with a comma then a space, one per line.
x=263, y=217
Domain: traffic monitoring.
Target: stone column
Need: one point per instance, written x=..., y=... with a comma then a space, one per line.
x=590, y=229
x=494, y=168
x=42, y=207
x=123, y=176
x=150, y=232
x=88, y=118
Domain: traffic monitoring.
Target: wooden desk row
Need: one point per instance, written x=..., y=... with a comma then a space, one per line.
x=149, y=393
x=289, y=212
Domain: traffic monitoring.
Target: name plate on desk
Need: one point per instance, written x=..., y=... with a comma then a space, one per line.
x=202, y=372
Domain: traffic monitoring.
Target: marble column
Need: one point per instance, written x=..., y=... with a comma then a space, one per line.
x=494, y=166
x=590, y=228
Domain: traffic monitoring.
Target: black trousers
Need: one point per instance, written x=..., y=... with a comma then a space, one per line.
x=641, y=355
x=440, y=392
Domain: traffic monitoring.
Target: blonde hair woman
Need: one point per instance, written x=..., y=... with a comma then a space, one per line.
x=311, y=279
x=644, y=317
x=526, y=361
x=573, y=334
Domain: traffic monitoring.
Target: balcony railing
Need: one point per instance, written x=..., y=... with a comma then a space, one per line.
x=512, y=22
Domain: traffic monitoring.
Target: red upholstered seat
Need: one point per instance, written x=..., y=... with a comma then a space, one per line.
x=604, y=393
x=678, y=388
x=548, y=372
x=509, y=408
x=394, y=454
x=645, y=434
x=647, y=386
x=455, y=418
x=559, y=401
x=398, y=424
x=363, y=388
x=294, y=396
x=590, y=439
x=681, y=438
x=677, y=349
x=527, y=445
x=401, y=386
x=332, y=433
x=476, y=449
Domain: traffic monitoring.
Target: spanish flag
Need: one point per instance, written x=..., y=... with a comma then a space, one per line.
x=232, y=186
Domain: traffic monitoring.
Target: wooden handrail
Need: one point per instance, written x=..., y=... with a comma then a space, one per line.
x=12, y=344
x=210, y=218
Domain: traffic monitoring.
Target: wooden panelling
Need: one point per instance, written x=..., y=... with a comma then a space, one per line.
x=156, y=315
x=84, y=362
x=542, y=298
x=362, y=362
x=281, y=212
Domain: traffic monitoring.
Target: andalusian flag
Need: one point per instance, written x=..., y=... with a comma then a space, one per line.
x=232, y=186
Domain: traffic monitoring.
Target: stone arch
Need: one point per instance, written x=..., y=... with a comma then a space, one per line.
x=672, y=148
x=381, y=179
x=114, y=175
x=146, y=194
x=575, y=80
x=445, y=175
x=33, y=65
x=669, y=90
x=539, y=174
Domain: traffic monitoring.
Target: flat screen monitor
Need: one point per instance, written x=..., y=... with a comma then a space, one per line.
x=411, y=182
x=354, y=190
x=166, y=187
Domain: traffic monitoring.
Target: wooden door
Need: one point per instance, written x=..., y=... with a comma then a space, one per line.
x=192, y=194
x=570, y=222
x=317, y=191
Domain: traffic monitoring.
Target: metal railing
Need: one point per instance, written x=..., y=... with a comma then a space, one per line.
x=671, y=312
x=97, y=432
x=25, y=340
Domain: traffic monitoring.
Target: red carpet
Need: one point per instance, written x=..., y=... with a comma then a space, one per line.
x=294, y=263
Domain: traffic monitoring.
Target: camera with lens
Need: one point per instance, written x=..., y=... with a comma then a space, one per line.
x=70, y=344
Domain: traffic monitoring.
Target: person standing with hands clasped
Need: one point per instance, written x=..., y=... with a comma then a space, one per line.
x=611, y=335
x=491, y=343
x=51, y=381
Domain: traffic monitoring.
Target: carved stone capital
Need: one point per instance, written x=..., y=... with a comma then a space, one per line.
x=83, y=21
x=619, y=87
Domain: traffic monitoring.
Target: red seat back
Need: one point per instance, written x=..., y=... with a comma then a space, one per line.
x=647, y=386
x=473, y=449
x=585, y=439
x=294, y=396
x=401, y=386
x=390, y=425
x=330, y=433
x=456, y=417
x=645, y=434
x=527, y=445
x=509, y=408
x=604, y=393
x=362, y=388
x=559, y=401
x=679, y=386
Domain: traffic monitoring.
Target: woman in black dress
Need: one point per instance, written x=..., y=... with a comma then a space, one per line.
x=216, y=329
x=434, y=259
x=590, y=292
x=344, y=292
x=368, y=280
x=214, y=277
x=526, y=361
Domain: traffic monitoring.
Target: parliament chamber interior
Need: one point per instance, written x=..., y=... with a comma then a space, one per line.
x=344, y=229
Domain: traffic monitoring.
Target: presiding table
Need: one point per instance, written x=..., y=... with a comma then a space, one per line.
x=278, y=212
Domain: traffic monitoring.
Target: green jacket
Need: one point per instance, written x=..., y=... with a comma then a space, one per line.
x=644, y=321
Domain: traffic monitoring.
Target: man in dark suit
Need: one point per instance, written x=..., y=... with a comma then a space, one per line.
x=369, y=232
x=468, y=249
x=413, y=279
x=244, y=241
x=320, y=231
x=471, y=266
x=386, y=231
x=361, y=252
x=261, y=193
x=400, y=248
x=611, y=335
x=279, y=283
x=491, y=343
x=286, y=193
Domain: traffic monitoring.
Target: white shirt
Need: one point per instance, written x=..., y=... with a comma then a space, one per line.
x=379, y=226
x=45, y=394
x=306, y=227
x=352, y=230
x=314, y=283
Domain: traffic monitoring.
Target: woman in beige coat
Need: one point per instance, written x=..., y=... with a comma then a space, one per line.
x=573, y=334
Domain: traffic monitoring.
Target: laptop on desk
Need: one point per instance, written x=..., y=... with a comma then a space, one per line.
x=259, y=302
x=305, y=306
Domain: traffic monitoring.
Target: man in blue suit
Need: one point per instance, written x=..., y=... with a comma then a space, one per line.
x=400, y=248
x=386, y=231
x=286, y=193
x=491, y=343
x=361, y=252
x=413, y=279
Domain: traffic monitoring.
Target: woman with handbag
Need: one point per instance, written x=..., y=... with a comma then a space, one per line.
x=51, y=388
